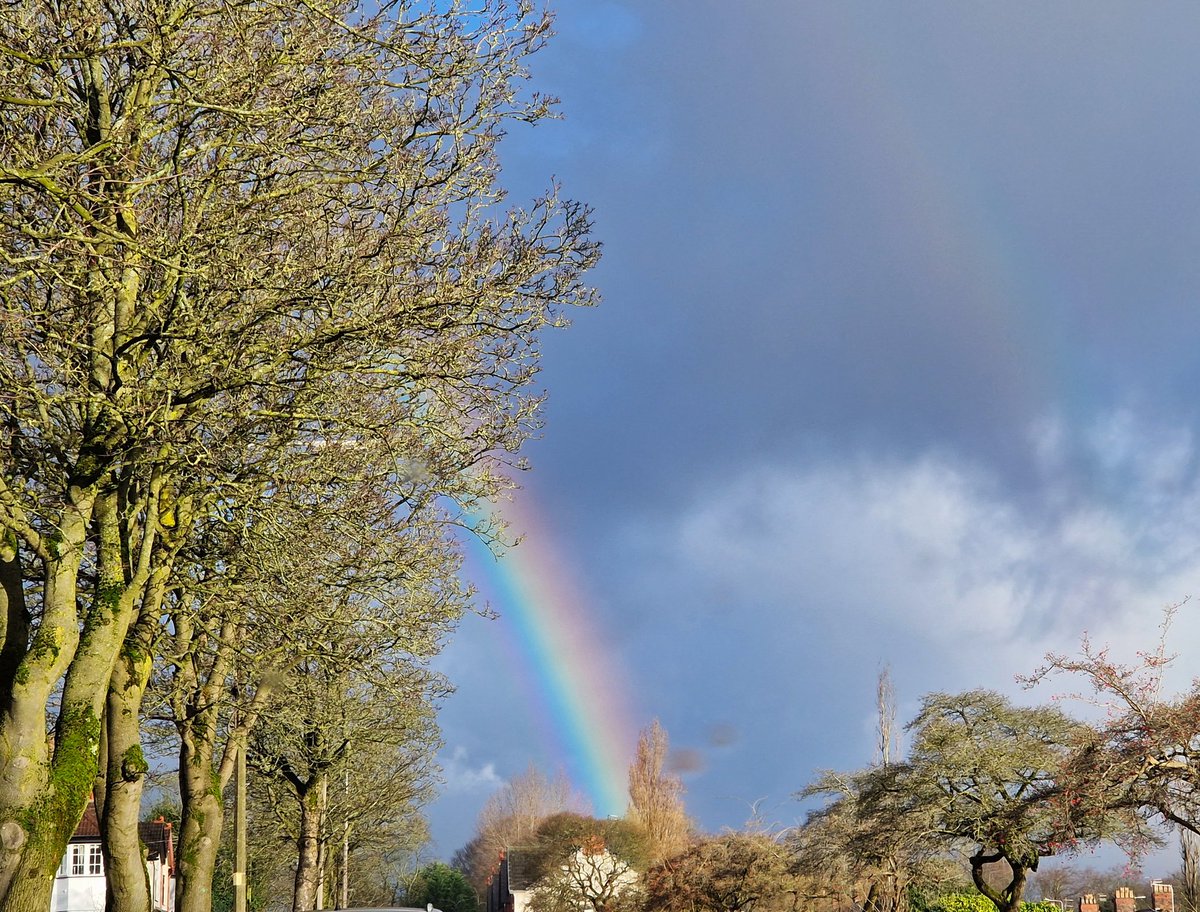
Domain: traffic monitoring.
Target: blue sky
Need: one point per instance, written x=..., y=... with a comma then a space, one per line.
x=896, y=364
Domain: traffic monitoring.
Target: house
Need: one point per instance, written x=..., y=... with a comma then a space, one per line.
x=1162, y=899
x=159, y=840
x=510, y=886
x=590, y=877
x=79, y=885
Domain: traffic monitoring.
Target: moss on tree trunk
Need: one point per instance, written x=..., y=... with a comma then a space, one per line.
x=200, y=828
x=48, y=822
x=127, y=884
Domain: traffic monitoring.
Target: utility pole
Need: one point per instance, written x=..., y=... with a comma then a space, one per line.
x=323, y=848
x=239, y=825
x=346, y=845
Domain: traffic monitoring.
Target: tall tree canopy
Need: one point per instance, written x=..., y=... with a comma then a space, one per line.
x=655, y=795
x=983, y=776
x=231, y=231
x=992, y=773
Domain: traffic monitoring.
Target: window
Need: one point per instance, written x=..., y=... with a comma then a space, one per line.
x=77, y=859
x=95, y=860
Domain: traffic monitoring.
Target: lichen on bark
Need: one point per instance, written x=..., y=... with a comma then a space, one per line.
x=59, y=806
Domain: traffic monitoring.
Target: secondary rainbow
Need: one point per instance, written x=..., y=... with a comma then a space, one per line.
x=575, y=675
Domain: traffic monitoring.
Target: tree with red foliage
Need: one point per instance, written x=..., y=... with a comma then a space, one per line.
x=1145, y=757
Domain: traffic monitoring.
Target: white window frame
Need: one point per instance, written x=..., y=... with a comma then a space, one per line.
x=77, y=861
x=95, y=861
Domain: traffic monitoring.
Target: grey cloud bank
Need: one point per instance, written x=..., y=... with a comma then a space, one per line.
x=896, y=364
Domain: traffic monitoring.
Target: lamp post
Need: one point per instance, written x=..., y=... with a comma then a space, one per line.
x=239, y=826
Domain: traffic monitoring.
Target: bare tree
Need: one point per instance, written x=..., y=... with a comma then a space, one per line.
x=885, y=706
x=1052, y=883
x=655, y=801
x=1145, y=759
x=204, y=254
x=883, y=862
x=345, y=733
x=511, y=817
x=337, y=578
x=870, y=838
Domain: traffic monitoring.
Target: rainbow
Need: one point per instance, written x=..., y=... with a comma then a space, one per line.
x=950, y=215
x=560, y=646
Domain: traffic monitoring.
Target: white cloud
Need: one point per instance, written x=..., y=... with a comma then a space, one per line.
x=461, y=776
x=937, y=550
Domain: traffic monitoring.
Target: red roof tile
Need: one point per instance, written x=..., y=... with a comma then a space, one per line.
x=89, y=826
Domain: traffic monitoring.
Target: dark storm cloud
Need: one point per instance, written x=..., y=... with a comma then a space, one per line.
x=832, y=222
x=897, y=362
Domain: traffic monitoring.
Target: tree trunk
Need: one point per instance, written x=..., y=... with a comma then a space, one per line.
x=871, y=903
x=127, y=881
x=15, y=615
x=1009, y=898
x=196, y=705
x=42, y=800
x=308, y=861
x=43, y=793
x=53, y=814
x=33, y=886
x=200, y=828
x=89, y=680
x=1189, y=870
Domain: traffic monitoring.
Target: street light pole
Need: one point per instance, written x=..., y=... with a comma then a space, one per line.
x=239, y=825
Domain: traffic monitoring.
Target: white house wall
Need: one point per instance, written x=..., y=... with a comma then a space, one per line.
x=85, y=892
x=77, y=892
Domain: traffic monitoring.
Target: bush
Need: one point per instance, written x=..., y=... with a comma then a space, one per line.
x=977, y=902
x=444, y=886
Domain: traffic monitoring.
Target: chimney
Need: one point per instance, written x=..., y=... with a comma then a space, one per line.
x=1164, y=896
x=1123, y=899
x=1087, y=903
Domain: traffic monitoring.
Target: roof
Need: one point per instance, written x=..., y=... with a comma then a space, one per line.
x=89, y=826
x=520, y=869
x=157, y=837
